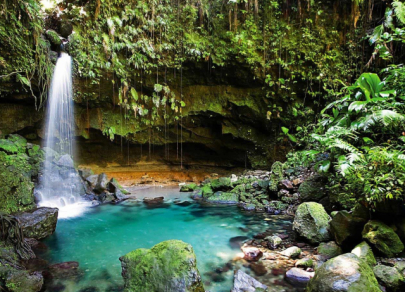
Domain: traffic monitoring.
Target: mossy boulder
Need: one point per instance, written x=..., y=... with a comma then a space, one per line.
x=221, y=184
x=346, y=272
x=312, y=222
x=224, y=198
x=313, y=189
x=207, y=191
x=383, y=238
x=8, y=146
x=188, y=187
x=38, y=223
x=389, y=277
x=53, y=37
x=169, y=266
x=364, y=251
x=346, y=229
x=329, y=249
x=15, y=179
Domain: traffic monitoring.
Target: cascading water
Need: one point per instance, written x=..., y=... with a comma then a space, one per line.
x=60, y=185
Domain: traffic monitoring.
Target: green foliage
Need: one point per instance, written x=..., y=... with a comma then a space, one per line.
x=361, y=135
x=24, y=54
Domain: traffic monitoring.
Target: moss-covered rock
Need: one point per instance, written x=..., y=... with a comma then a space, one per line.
x=329, y=249
x=221, y=184
x=313, y=189
x=364, y=252
x=224, y=198
x=188, y=187
x=169, y=266
x=311, y=222
x=346, y=272
x=39, y=223
x=346, y=229
x=383, y=238
x=207, y=191
x=53, y=37
x=389, y=277
x=15, y=179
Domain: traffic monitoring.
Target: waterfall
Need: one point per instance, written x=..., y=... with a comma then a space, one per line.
x=59, y=184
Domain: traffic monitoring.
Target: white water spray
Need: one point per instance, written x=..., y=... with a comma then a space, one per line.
x=60, y=185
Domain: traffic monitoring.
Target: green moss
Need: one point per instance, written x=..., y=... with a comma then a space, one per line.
x=364, y=251
x=383, y=238
x=224, y=198
x=15, y=179
x=207, y=191
x=53, y=37
x=221, y=184
x=188, y=187
x=8, y=146
x=168, y=266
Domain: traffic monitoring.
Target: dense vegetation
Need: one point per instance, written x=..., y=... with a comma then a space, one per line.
x=358, y=141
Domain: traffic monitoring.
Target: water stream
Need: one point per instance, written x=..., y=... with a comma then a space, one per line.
x=57, y=186
x=97, y=239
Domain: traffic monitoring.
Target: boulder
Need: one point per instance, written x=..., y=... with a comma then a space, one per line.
x=251, y=253
x=292, y=252
x=169, y=266
x=224, y=198
x=65, y=28
x=346, y=229
x=39, y=223
x=221, y=184
x=244, y=283
x=304, y=263
x=92, y=180
x=346, y=272
x=102, y=182
x=389, y=277
x=65, y=161
x=188, y=187
x=298, y=277
x=383, y=238
x=313, y=189
x=274, y=241
x=329, y=249
x=115, y=187
x=364, y=251
x=206, y=191
x=311, y=222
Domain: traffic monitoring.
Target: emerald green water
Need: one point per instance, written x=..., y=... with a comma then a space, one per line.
x=98, y=237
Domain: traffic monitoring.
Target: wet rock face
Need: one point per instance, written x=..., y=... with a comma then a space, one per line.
x=344, y=273
x=312, y=222
x=39, y=223
x=243, y=282
x=168, y=266
x=383, y=238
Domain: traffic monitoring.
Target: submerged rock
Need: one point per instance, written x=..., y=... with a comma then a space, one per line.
x=346, y=272
x=245, y=283
x=153, y=201
x=383, y=238
x=311, y=222
x=39, y=223
x=169, y=266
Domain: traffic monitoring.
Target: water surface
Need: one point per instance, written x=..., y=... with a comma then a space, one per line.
x=101, y=235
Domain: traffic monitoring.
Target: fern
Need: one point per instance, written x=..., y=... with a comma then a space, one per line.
x=399, y=8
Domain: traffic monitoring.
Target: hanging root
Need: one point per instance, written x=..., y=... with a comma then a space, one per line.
x=11, y=232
